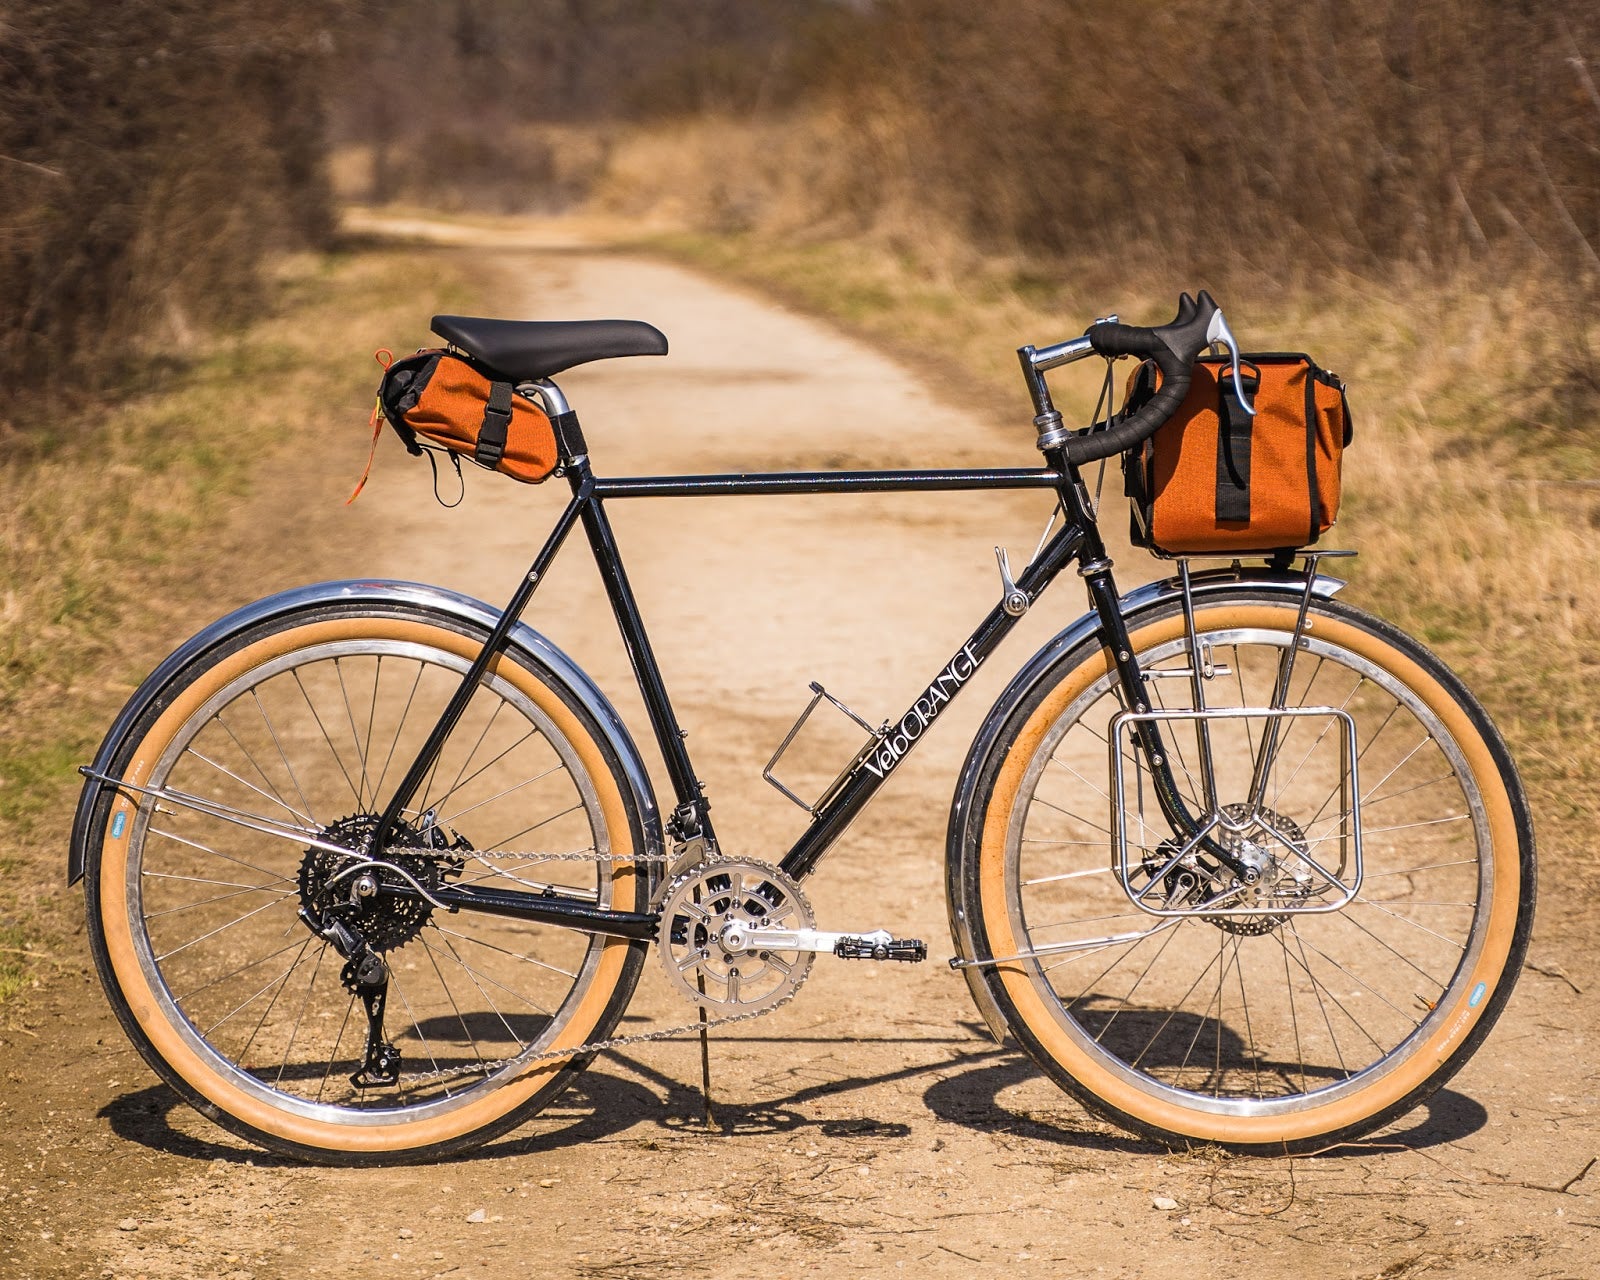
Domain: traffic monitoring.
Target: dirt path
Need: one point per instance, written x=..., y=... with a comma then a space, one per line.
x=869, y=1125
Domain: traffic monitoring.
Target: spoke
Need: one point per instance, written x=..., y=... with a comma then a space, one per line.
x=1361, y=754
x=515, y=955
x=232, y=973
x=1373, y=801
x=271, y=793
x=272, y=733
x=1244, y=700
x=223, y=884
x=266, y=906
x=283, y=986
x=473, y=975
x=1431, y=866
x=416, y=1026
x=483, y=733
x=250, y=786
x=1128, y=995
x=1249, y=1029
x=1305, y=699
x=333, y=1054
x=257, y=994
x=1039, y=799
x=221, y=897
x=1085, y=844
x=323, y=729
x=1061, y=764
x=516, y=786
x=1173, y=1013
x=405, y=714
x=542, y=822
x=1066, y=875
x=1316, y=990
x=479, y=772
x=1175, y=741
x=372, y=720
x=294, y=1033
x=1395, y=915
x=272, y=876
x=1294, y=1017
x=355, y=733
x=466, y=1031
x=1359, y=981
x=1387, y=946
x=1079, y=921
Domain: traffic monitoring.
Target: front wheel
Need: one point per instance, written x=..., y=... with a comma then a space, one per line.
x=293, y=732
x=1275, y=1026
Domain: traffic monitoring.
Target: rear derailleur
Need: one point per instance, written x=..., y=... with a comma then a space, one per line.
x=350, y=913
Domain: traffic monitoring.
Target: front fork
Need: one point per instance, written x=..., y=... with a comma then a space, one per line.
x=1095, y=570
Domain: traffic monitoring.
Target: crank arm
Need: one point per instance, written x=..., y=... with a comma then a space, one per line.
x=877, y=945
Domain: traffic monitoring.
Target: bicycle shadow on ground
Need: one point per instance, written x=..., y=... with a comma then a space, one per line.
x=599, y=1105
x=620, y=1092
x=611, y=1097
x=972, y=1100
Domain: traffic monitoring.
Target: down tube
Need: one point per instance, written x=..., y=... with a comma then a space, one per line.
x=830, y=822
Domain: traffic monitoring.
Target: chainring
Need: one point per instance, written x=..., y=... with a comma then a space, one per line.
x=696, y=913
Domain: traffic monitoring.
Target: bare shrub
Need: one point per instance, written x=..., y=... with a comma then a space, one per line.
x=153, y=151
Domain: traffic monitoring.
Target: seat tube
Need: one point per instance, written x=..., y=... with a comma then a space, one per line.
x=690, y=816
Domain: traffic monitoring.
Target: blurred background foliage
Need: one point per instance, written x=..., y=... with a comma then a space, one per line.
x=152, y=151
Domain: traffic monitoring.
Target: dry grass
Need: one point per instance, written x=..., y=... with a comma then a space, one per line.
x=100, y=517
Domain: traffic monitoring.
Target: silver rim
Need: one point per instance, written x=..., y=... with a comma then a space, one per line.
x=308, y=739
x=1256, y=1020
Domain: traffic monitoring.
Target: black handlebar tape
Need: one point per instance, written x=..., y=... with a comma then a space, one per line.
x=1174, y=347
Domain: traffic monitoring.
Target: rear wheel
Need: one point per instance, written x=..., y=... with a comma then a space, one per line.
x=294, y=734
x=1269, y=1029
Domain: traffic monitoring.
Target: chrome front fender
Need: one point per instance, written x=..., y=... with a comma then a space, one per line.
x=958, y=843
x=158, y=687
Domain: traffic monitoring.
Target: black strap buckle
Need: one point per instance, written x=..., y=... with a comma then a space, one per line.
x=492, y=435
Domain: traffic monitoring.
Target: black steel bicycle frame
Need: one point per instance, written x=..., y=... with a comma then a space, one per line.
x=1078, y=540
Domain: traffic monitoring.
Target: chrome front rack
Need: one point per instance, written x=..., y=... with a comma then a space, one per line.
x=1173, y=879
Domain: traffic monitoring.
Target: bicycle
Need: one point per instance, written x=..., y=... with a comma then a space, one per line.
x=1233, y=861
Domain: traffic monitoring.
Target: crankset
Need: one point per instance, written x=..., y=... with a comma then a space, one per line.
x=739, y=935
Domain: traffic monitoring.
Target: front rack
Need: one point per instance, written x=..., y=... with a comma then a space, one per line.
x=1166, y=876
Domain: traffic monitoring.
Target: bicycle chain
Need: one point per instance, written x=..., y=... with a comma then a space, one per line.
x=593, y=1046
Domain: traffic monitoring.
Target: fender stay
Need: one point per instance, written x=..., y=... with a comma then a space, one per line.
x=157, y=687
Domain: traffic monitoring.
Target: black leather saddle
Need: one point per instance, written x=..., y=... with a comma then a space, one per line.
x=525, y=350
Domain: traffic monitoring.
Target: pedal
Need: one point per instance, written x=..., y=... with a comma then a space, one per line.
x=880, y=946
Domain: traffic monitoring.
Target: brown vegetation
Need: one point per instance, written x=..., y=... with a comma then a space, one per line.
x=152, y=152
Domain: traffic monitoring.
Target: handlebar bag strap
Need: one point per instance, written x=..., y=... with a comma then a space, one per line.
x=442, y=398
x=1213, y=479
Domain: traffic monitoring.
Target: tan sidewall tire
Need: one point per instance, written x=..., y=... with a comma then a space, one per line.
x=258, y=1114
x=1031, y=1005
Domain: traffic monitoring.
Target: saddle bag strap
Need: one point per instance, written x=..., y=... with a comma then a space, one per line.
x=1233, y=455
x=496, y=425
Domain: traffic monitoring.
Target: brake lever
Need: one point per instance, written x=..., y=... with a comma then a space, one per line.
x=1217, y=332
